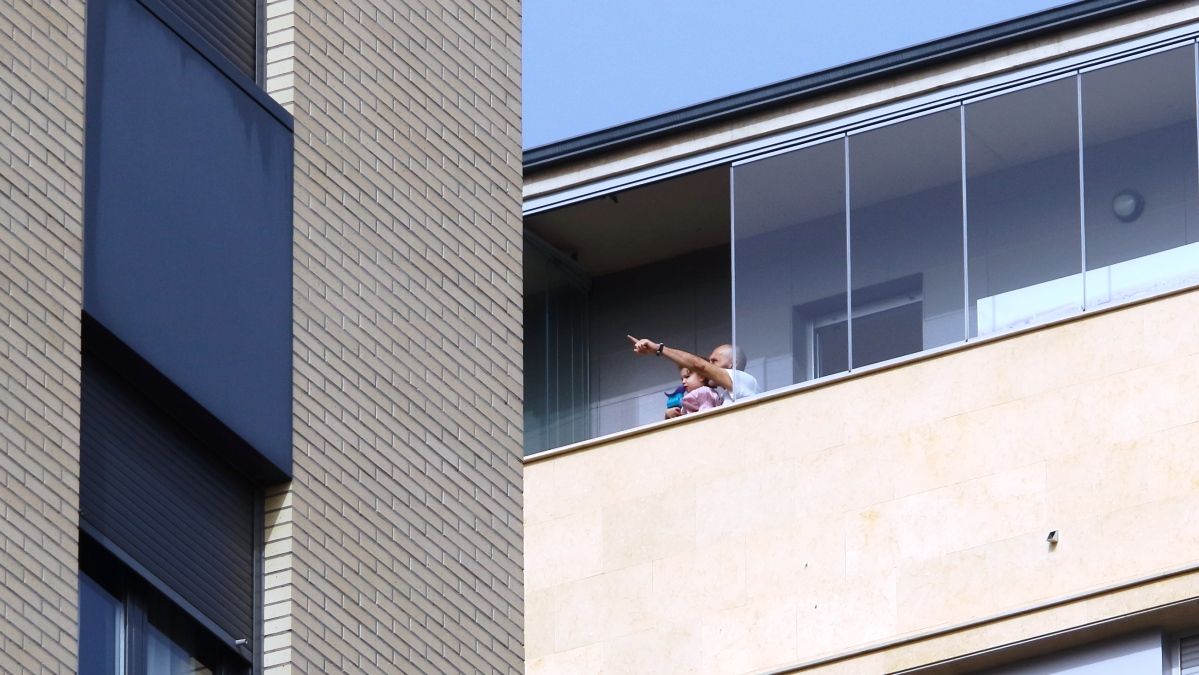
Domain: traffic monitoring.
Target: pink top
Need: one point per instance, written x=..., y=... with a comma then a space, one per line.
x=700, y=399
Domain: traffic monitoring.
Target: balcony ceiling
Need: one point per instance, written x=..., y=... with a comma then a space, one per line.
x=633, y=228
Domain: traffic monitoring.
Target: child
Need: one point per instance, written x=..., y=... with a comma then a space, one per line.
x=697, y=394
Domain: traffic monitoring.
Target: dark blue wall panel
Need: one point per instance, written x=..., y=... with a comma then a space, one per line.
x=188, y=224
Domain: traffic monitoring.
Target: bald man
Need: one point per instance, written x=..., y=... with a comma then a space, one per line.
x=724, y=370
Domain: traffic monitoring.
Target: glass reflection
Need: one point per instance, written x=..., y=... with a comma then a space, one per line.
x=1024, y=221
x=906, y=238
x=101, y=629
x=1024, y=240
x=1139, y=161
x=555, y=355
x=789, y=243
x=167, y=657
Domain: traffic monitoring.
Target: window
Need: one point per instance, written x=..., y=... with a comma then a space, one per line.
x=126, y=627
x=1186, y=656
x=889, y=322
x=102, y=630
x=195, y=538
x=1135, y=655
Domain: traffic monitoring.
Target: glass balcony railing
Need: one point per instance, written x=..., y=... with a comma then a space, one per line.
x=979, y=217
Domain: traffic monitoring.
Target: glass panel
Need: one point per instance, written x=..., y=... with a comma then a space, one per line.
x=1139, y=158
x=566, y=335
x=832, y=348
x=167, y=657
x=790, y=277
x=101, y=630
x=555, y=333
x=1136, y=655
x=1024, y=238
x=888, y=332
x=906, y=234
x=884, y=332
x=535, y=349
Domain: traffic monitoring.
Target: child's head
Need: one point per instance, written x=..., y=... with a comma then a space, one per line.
x=691, y=380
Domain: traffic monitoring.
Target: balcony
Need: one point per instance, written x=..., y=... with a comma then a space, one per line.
x=894, y=518
x=875, y=242
x=652, y=260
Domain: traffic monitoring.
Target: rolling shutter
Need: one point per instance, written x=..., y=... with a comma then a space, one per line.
x=229, y=26
x=153, y=494
x=1188, y=651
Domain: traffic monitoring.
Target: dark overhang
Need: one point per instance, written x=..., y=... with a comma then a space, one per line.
x=857, y=73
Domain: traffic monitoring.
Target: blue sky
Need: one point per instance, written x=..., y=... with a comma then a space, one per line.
x=591, y=64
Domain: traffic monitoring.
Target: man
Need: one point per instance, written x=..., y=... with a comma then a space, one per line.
x=724, y=370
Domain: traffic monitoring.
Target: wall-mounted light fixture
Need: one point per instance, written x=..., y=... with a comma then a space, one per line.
x=1052, y=538
x=1128, y=205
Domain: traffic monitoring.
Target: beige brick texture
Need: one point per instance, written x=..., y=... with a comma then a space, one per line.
x=280, y=51
x=277, y=576
x=41, y=245
x=406, y=500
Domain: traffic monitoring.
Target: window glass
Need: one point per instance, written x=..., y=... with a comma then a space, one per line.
x=1023, y=227
x=790, y=266
x=555, y=351
x=127, y=627
x=535, y=355
x=831, y=348
x=888, y=331
x=1135, y=655
x=566, y=309
x=101, y=630
x=1139, y=162
x=167, y=657
x=906, y=236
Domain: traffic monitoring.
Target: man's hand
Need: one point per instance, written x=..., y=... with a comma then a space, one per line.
x=643, y=346
x=682, y=359
x=672, y=413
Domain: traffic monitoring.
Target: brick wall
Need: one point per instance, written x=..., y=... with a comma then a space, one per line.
x=280, y=51
x=277, y=586
x=406, y=500
x=41, y=230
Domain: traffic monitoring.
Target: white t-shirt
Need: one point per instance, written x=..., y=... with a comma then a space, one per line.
x=744, y=386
